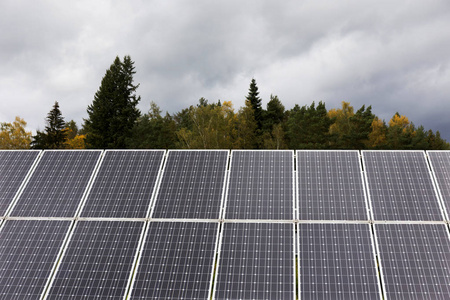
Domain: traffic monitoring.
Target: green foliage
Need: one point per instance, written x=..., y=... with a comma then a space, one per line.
x=152, y=131
x=55, y=133
x=308, y=127
x=255, y=103
x=113, y=112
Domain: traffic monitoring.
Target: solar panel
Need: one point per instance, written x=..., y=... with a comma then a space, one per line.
x=57, y=184
x=28, y=253
x=337, y=261
x=440, y=165
x=192, y=185
x=256, y=261
x=98, y=261
x=14, y=167
x=124, y=184
x=261, y=185
x=414, y=260
x=330, y=186
x=177, y=261
x=400, y=186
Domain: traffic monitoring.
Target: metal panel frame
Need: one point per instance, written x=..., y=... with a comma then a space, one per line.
x=140, y=249
x=436, y=182
x=294, y=215
x=294, y=246
x=443, y=215
x=162, y=173
x=25, y=180
x=366, y=200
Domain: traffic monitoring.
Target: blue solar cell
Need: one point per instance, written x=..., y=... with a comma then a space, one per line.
x=337, y=261
x=261, y=185
x=400, y=186
x=57, y=184
x=330, y=186
x=192, y=185
x=28, y=253
x=256, y=261
x=98, y=261
x=414, y=260
x=177, y=261
x=14, y=167
x=440, y=163
x=124, y=184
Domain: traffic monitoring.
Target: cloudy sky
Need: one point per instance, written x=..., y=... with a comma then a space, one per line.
x=393, y=55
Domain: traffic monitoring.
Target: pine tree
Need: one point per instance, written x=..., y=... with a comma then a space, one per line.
x=255, y=103
x=55, y=133
x=113, y=111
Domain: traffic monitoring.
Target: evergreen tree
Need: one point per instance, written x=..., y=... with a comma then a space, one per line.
x=55, y=133
x=113, y=111
x=255, y=103
x=308, y=127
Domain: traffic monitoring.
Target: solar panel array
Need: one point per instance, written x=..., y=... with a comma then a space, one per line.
x=151, y=224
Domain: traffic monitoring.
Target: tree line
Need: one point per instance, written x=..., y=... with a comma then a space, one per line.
x=115, y=122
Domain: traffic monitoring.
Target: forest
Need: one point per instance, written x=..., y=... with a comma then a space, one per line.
x=115, y=122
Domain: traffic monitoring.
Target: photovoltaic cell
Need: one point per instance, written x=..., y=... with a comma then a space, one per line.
x=330, y=186
x=440, y=163
x=57, y=184
x=261, y=185
x=400, y=186
x=98, y=261
x=336, y=261
x=177, y=261
x=28, y=252
x=191, y=185
x=414, y=260
x=256, y=261
x=124, y=184
x=14, y=167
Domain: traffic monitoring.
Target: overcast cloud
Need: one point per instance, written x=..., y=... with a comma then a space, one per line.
x=393, y=55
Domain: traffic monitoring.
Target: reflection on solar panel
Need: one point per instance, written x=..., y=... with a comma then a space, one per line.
x=330, y=186
x=400, y=186
x=440, y=163
x=256, y=261
x=57, y=184
x=336, y=261
x=177, y=261
x=14, y=167
x=414, y=260
x=124, y=184
x=261, y=185
x=98, y=261
x=192, y=185
x=28, y=253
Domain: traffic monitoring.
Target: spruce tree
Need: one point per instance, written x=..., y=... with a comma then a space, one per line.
x=113, y=111
x=255, y=103
x=55, y=134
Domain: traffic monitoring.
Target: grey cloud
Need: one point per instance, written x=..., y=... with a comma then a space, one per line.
x=392, y=55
